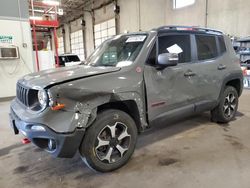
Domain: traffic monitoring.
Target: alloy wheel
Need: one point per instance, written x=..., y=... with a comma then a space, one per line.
x=112, y=142
x=230, y=104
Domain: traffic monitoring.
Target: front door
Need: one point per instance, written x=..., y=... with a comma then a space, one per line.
x=171, y=89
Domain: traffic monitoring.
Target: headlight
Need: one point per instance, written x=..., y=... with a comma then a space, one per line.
x=42, y=98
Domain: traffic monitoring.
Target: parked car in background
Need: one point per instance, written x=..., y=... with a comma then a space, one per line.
x=66, y=60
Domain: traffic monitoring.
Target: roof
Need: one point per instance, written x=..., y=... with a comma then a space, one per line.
x=188, y=28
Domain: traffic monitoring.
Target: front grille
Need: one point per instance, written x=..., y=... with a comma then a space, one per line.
x=28, y=97
x=22, y=94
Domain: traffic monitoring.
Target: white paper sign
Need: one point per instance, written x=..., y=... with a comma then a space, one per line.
x=136, y=38
x=175, y=49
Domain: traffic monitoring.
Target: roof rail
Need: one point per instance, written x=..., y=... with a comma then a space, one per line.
x=188, y=28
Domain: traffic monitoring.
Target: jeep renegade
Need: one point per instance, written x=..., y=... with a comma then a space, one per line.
x=129, y=82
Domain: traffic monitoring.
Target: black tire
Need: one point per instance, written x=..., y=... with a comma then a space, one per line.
x=227, y=107
x=95, y=154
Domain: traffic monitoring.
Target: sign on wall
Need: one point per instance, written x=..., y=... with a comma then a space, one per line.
x=6, y=39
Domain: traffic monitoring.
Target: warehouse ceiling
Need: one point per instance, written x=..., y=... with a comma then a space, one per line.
x=74, y=9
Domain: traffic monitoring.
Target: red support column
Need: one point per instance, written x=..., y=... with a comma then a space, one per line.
x=56, y=47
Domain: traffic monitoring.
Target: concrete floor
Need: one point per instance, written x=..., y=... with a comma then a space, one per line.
x=191, y=153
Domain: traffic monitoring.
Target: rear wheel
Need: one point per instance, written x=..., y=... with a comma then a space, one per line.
x=227, y=108
x=110, y=141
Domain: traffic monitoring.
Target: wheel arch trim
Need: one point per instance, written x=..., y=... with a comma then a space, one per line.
x=229, y=78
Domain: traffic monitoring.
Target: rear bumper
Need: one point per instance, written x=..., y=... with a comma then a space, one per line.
x=62, y=144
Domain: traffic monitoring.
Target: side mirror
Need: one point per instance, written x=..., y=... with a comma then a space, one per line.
x=168, y=59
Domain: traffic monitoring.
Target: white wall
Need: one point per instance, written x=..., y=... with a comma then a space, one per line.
x=192, y=15
x=129, y=15
x=153, y=14
x=104, y=14
x=229, y=16
x=12, y=70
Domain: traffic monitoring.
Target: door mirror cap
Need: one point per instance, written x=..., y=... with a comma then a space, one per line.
x=168, y=59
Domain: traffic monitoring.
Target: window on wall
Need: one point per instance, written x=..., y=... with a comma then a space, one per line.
x=182, y=3
x=104, y=30
x=60, y=45
x=77, y=46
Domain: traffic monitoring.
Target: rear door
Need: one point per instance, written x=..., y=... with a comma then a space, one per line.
x=170, y=90
x=209, y=67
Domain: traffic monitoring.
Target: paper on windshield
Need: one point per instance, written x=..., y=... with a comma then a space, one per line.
x=136, y=38
x=175, y=49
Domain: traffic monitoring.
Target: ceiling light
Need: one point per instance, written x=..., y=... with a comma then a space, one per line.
x=51, y=2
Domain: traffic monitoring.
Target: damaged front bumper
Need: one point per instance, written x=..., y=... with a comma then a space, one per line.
x=57, y=144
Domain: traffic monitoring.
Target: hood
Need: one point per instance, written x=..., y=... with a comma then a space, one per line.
x=55, y=76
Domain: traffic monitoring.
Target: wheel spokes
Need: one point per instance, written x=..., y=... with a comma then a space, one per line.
x=102, y=142
x=112, y=130
x=108, y=155
x=229, y=112
x=233, y=106
x=121, y=149
x=228, y=98
x=232, y=98
x=123, y=135
x=225, y=107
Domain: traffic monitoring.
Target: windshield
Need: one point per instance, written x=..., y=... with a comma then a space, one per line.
x=118, y=51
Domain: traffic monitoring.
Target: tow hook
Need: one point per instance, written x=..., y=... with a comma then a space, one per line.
x=25, y=141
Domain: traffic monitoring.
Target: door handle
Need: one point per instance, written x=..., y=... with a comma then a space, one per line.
x=189, y=73
x=221, y=67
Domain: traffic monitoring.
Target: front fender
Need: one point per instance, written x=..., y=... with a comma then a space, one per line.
x=87, y=109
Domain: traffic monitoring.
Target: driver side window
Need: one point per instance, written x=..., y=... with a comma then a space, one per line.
x=178, y=44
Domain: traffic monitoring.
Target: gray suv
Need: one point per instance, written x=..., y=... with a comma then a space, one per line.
x=128, y=83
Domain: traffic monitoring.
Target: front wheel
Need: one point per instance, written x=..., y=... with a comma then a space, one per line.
x=227, y=107
x=110, y=141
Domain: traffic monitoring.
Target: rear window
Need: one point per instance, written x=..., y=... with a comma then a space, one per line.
x=206, y=47
x=222, y=44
